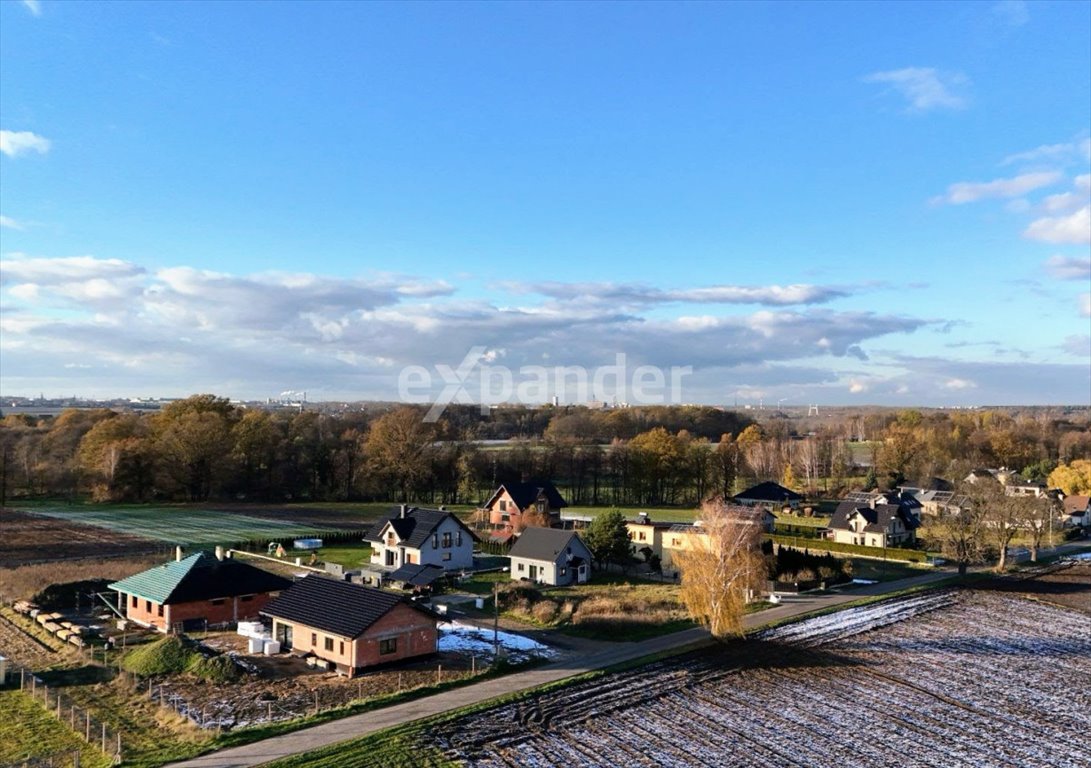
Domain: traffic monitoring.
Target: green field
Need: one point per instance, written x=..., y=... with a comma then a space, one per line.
x=658, y=514
x=184, y=525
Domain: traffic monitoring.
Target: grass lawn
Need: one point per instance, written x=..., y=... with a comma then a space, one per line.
x=350, y=555
x=801, y=521
x=28, y=730
x=664, y=514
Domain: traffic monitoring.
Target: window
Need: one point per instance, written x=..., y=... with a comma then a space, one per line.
x=458, y=538
x=342, y=651
x=314, y=640
x=521, y=566
x=503, y=505
x=148, y=606
x=447, y=540
x=160, y=609
x=435, y=541
x=675, y=542
x=563, y=571
x=642, y=536
x=446, y=555
x=389, y=645
x=505, y=517
x=328, y=644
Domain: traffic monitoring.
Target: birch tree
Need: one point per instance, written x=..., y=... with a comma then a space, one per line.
x=721, y=567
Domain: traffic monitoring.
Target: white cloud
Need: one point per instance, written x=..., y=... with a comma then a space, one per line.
x=15, y=143
x=1052, y=155
x=630, y=294
x=856, y=386
x=34, y=6
x=1069, y=267
x=972, y=191
x=1074, y=228
x=924, y=88
x=7, y=222
x=19, y=268
x=1080, y=346
x=1014, y=13
x=959, y=384
x=1085, y=304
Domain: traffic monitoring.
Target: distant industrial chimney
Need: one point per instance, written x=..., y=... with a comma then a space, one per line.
x=178, y=553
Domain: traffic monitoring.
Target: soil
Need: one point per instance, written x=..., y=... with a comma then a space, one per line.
x=1066, y=584
x=26, y=539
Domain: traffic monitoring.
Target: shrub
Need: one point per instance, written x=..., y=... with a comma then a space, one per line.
x=544, y=612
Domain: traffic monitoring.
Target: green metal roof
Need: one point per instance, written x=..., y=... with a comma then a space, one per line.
x=157, y=584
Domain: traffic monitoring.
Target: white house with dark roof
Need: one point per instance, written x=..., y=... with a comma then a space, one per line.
x=415, y=536
x=550, y=556
x=877, y=524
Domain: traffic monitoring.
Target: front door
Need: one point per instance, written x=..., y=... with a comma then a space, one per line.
x=284, y=636
x=533, y=573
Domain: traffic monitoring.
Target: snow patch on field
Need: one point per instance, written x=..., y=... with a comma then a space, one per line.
x=459, y=637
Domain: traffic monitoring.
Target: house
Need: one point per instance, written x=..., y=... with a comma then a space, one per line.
x=550, y=556
x=646, y=533
x=768, y=494
x=1014, y=483
x=680, y=537
x=935, y=502
x=1076, y=511
x=514, y=506
x=196, y=591
x=878, y=524
x=349, y=626
x=415, y=536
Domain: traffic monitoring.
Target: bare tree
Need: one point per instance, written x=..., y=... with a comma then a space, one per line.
x=1035, y=517
x=721, y=567
x=959, y=535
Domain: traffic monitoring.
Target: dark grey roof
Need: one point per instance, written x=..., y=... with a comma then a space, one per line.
x=417, y=575
x=338, y=607
x=769, y=491
x=546, y=544
x=415, y=527
x=526, y=494
x=877, y=518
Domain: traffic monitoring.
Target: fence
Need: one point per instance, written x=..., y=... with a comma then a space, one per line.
x=224, y=715
x=93, y=730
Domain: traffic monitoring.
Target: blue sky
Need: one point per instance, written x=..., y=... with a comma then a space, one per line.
x=815, y=202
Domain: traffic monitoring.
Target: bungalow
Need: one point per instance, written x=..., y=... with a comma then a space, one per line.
x=513, y=506
x=769, y=494
x=872, y=525
x=550, y=556
x=349, y=626
x=193, y=592
x=1014, y=483
x=417, y=536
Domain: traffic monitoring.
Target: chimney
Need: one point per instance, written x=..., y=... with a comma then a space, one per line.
x=219, y=553
x=178, y=554
x=403, y=510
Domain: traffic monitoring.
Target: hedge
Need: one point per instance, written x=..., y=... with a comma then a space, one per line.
x=891, y=553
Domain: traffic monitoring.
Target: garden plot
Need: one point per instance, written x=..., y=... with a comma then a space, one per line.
x=943, y=679
x=466, y=639
x=184, y=526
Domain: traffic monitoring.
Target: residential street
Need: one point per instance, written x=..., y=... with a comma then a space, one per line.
x=370, y=722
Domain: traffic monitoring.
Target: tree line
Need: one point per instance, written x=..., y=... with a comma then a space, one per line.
x=204, y=447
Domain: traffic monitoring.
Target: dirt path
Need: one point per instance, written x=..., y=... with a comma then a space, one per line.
x=370, y=722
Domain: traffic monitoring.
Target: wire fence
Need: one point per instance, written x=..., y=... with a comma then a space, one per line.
x=80, y=720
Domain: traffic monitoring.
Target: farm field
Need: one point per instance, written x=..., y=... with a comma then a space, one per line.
x=189, y=526
x=963, y=678
x=28, y=538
